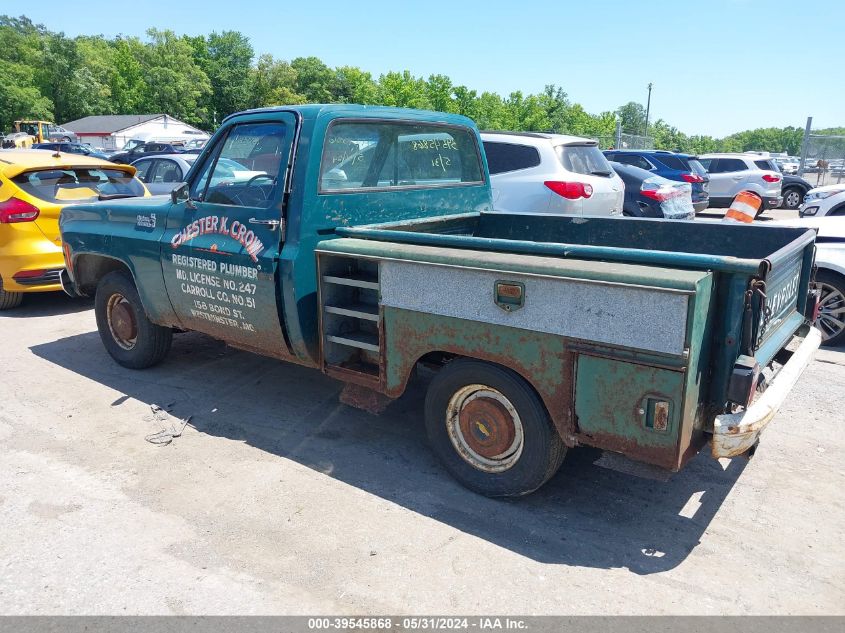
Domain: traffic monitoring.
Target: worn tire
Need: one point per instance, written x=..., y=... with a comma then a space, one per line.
x=792, y=198
x=542, y=449
x=836, y=282
x=150, y=343
x=9, y=300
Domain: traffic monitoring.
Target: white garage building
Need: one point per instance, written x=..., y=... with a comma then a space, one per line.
x=112, y=131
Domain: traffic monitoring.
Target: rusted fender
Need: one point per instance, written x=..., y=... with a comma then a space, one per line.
x=735, y=433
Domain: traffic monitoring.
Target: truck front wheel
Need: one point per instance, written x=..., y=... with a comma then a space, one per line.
x=490, y=429
x=128, y=335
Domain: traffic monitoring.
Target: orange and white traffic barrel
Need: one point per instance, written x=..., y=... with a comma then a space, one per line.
x=744, y=207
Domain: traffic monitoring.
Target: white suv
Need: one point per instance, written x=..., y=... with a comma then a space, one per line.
x=827, y=200
x=551, y=173
x=732, y=173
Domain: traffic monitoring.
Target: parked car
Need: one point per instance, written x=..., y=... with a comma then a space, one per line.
x=793, y=191
x=162, y=172
x=680, y=167
x=788, y=165
x=145, y=149
x=826, y=200
x=732, y=173
x=72, y=148
x=648, y=195
x=551, y=173
x=830, y=276
x=34, y=187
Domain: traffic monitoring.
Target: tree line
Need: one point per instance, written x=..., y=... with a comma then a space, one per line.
x=201, y=79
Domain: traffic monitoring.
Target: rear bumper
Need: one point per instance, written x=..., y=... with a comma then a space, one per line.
x=50, y=263
x=736, y=433
x=772, y=202
x=701, y=205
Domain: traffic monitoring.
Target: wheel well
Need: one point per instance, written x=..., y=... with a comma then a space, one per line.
x=436, y=360
x=839, y=209
x=830, y=271
x=89, y=269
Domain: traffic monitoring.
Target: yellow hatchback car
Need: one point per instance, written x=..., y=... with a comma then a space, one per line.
x=34, y=186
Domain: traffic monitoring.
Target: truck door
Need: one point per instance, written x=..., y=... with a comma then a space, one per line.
x=221, y=246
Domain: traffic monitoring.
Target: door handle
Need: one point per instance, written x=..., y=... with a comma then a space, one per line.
x=273, y=224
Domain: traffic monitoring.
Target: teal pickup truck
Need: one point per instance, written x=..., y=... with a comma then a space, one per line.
x=361, y=241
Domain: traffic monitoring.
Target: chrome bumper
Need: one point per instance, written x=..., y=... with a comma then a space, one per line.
x=736, y=433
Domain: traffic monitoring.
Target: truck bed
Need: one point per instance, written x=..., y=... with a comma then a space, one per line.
x=702, y=245
x=773, y=262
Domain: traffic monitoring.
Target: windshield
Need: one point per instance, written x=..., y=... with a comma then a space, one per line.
x=584, y=159
x=80, y=184
x=132, y=143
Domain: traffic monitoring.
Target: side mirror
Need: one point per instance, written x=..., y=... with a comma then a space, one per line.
x=181, y=193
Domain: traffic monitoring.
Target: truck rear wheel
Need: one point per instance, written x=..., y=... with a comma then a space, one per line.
x=128, y=335
x=9, y=300
x=490, y=429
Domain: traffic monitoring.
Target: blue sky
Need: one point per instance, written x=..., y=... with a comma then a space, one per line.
x=718, y=66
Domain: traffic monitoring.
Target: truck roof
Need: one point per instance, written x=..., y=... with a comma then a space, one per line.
x=338, y=110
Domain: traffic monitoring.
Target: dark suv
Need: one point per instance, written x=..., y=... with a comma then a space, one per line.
x=147, y=149
x=680, y=167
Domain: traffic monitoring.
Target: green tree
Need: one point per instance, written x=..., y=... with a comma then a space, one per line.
x=632, y=116
x=227, y=61
x=438, y=93
x=274, y=83
x=314, y=80
x=19, y=97
x=355, y=86
x=174, y=83
x=127, y=84
x=402, y=90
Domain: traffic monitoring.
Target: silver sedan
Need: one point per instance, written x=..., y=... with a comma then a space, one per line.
x=162, y=172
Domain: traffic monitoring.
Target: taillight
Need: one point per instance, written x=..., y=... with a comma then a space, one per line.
x=655, y=192
x=771, y=178
x=570, y=190
x=14, y=210
x=29, y=274
x=692, y=178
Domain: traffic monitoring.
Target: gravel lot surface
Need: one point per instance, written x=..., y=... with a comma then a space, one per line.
x=277, y=499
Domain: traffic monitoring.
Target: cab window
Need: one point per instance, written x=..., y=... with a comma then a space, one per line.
x=244, y=169
x=363, y=155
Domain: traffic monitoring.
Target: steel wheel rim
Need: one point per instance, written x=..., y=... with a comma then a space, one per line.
x=484, y=428
x=831, y=319
x=793, y=199
x=121, y=320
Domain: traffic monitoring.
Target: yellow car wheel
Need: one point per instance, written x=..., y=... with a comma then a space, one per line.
x=9, y=300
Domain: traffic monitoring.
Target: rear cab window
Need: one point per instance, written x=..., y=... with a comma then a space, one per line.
x=372, y=155
x=79, y=184
x=584, y=159
x=505, y=157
